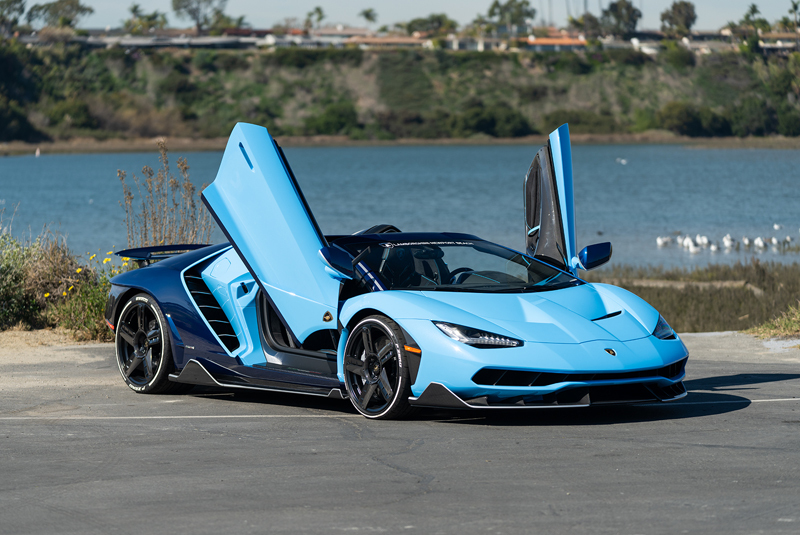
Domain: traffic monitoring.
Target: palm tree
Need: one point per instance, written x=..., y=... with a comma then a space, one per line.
x=793, y=11
x=369, y=15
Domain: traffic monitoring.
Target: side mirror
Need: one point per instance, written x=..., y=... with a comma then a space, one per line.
x=338, y=261
x=596, y=255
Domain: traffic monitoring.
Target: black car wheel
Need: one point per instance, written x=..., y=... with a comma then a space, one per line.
x=376, y=371
x=144, y=356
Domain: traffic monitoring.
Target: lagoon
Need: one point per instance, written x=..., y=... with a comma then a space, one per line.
x=658, y=190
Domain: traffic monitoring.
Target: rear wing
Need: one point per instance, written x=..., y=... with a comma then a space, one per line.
x=144, y=256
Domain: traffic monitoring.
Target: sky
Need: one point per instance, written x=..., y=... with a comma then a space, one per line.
x=711, y=14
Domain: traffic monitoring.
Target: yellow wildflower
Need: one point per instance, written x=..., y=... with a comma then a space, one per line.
x=110, y=252
x=78, y=270
x=47, y=294
x=106, y=260
x=70, y=288
x=125, y=258
x=124, y=264
x=92, y=257
x=64, y=294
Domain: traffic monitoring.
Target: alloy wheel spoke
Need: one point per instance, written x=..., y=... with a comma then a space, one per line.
x=386, y=388
x=354, y=365
x=154, y=337
x=366, y=338
x=126, y=333
x=385, y=353
x=142, y=322
x=133, y=365
x=148, y=364
x=368, y=395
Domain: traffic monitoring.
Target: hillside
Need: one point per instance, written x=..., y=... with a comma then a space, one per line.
x=62, y=92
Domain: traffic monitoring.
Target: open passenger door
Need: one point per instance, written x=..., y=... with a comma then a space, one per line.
x=549, y=206
x=259, y=206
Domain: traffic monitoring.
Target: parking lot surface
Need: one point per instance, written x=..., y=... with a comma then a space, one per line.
x=81, y=453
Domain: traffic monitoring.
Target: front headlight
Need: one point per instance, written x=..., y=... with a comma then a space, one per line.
x=475, y=337
x=663, y=331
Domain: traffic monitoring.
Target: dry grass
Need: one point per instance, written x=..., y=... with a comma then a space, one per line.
x=786, y=325
x=704, y=308
x=168, y=212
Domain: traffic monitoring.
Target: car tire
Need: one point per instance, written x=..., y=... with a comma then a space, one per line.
x=377, y=379
x=143, y=350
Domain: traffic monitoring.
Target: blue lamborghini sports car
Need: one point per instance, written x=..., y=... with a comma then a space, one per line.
x=391, y=320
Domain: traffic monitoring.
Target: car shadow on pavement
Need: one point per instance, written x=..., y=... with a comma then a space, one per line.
x=739, y=381
x=706, y=396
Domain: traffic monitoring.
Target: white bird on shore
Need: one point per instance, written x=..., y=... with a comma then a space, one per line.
x=702, y=240
x=687, y=242
x=693, y=249
x=714, y=248
x=774, y=240
x=759, y=243
x=777, y=226
x=662, y=241
x=746, y=241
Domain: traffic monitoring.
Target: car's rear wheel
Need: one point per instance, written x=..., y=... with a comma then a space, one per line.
x=144, y=355
x=376, y=370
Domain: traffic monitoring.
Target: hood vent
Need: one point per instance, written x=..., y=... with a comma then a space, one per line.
x=617, y=313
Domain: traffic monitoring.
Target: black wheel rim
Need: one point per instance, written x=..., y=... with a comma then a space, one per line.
x=372, y=367
x=139, y=346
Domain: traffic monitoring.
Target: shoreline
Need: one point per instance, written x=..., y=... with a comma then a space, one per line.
x=182, y=144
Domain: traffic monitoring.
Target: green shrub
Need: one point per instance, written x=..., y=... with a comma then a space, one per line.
x=581, y=122
x=498, y=120
x=752, y=117
x=681, y=118
x=404, y=85
x=628, y=56
x=16, y=305
x=789, y=122
x=74, y=113
x=677, y=56
x=14, y=124
x=205, y=60
x=304, y=57
x=532, y=93
x=232, y=62
x=569, y=62
x=335, y=119
x=780, y=84
x=689, y=120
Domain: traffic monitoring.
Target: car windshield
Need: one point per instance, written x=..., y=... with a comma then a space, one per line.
x=470, y=266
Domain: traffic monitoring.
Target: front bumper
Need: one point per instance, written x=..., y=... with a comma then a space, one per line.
x=641, y=370
x=439, y=396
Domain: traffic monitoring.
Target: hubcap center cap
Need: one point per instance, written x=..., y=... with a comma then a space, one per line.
x=140, y=343
x=373, y=369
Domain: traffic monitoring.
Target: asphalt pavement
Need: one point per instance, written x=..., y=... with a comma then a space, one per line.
x=81, y=453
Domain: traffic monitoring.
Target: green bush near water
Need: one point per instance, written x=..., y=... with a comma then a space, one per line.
x=42, y=284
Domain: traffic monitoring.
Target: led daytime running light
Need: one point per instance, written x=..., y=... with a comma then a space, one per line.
x=474, y=337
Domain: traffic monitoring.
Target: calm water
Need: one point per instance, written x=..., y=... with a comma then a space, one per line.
x=478, y=190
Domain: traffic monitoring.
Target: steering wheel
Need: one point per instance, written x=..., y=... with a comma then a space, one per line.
x=454, y=275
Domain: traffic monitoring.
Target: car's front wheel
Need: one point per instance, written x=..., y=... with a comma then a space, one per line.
x=144, y=355
x=376, y=370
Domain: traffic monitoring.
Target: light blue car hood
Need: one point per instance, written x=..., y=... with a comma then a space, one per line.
x=566, y=316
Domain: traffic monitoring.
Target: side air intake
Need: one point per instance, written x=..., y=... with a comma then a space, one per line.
x=210, y=308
